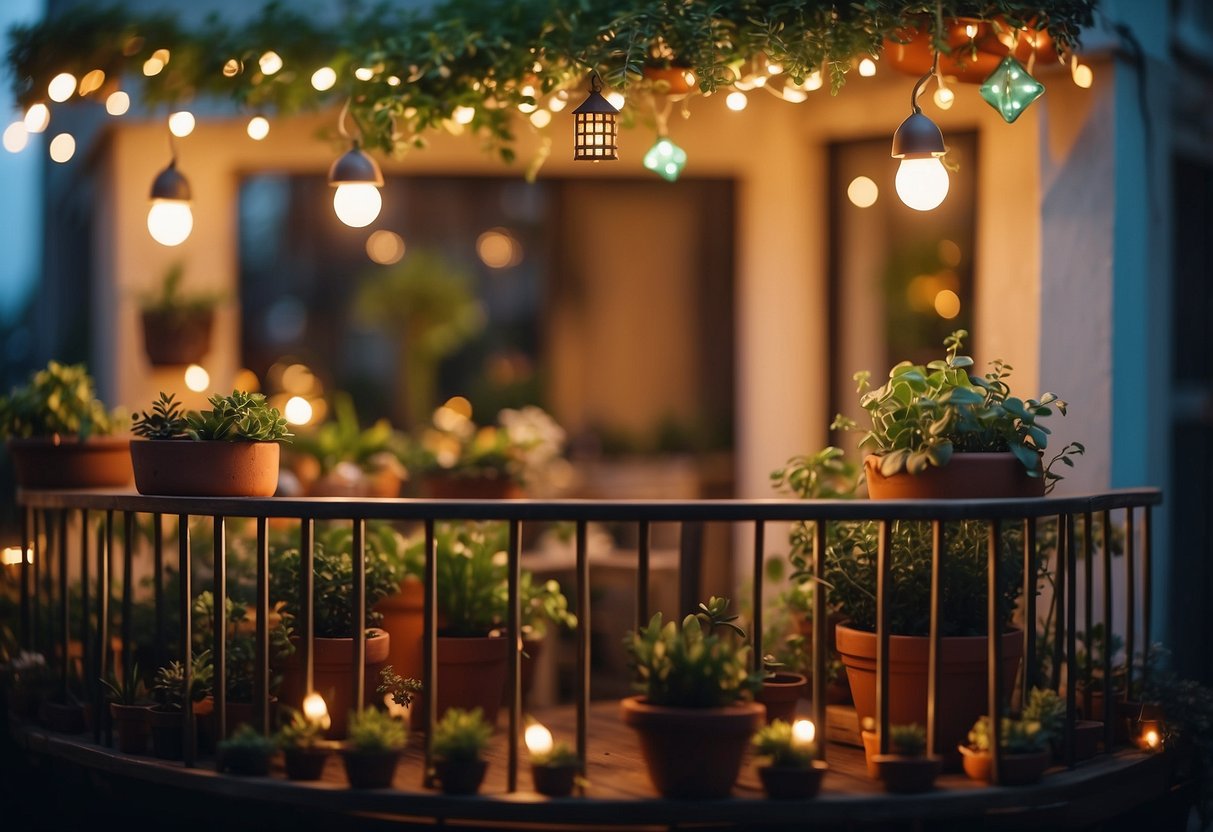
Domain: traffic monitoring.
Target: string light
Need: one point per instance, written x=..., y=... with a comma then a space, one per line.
x=364, y=73
x=270, y=62
x=197, y=378
x=1082, y=74
x=258, y=128
x=867, y=67
x=463, y=115
x=558, y=101
x=813, y=82
x=616, y=100
x=921, y=181
x=324, y=78
x=61, y=87
x=117, y=103
x=541, y=118
x=181, y=123
x=736, y=101
x=357, y=178
x=62, y=147
x=231, y=68
x=152, y=66
x=92, y=81
x=37, y=118
x=16, y=137
x=944, y=97
x=170, y=219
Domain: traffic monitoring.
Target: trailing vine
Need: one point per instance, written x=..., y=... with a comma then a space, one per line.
x=493, y=57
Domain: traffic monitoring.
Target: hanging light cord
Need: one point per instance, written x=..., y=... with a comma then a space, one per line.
x=914, y=93
x=345, y=112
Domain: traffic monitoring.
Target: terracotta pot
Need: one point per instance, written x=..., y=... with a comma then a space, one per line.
x=177, y=337
x=963, y=691
x=241, y=713
x=693, y=752
x=1127, y=714
x=131, y=724
x=65, y=462
x=532, y=649
x=471, y=674
x=912, y=50
x=305, y=763
x=404, y=620
x=166, y=729
x=792, y=783
x=871, y=749
x=61, y=717
x=443, y=486
x=670, y=80
x=333, y=677
x=781, y=693
x=459, y=777
x=1017, y=769
x=384, y=483
x=907, y=775
x=967, y=476
x=370, y=769
x=554, y=781
x=243, y=762
x=185, y=468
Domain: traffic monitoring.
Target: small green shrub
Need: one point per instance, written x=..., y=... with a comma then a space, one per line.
x=461, y=736
x=374, y=730
x=58, y=400
x=776, y=743
x=685, y=667
x=908, y=740
x=1019, y=736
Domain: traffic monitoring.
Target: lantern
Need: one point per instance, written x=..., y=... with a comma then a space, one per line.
x=595, y=126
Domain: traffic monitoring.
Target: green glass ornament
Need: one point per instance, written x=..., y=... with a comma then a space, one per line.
x=1010, y=89
x=666, y=159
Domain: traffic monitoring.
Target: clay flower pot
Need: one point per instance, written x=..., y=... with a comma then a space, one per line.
x=166, y=730
x=305, y=762
x=907, y=775
x=670, y=80
x=186, y=468
x=1017, y=769
x=459, y=776
x=913, y=49
x=471, y=674
x=333, y=663
x=175, y=337
x=131, y=723
x=781, y=693
x=792, y=782
x=443, y=485
x=553, y=781
x=404, y=620
x=963, y=692
x=693, y=752
x=871, y=749
x=370, y=769
x=66, y=462
x=966, y=476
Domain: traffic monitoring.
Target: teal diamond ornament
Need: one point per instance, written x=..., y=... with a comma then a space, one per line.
x=1010, y=89
x=666, y=159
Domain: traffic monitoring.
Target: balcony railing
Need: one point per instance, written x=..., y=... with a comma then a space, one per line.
x=51, y=521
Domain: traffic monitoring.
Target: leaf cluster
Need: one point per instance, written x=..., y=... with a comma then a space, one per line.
x=908, y=740
x=300, y=732
x=248, y=740
x=60, y=399
x=403, y=691
x=168, y=686
x=173, y=303
x=128, y=690
x=461, y=736
x=343, y=440
x=686, y=667
x=375, y=730
x=775, y=742
x=241, y=416
x=241, y=653
x=166, y=421
x=1018, y=736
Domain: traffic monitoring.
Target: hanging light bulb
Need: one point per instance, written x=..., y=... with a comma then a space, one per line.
x=922, y=180
x=867, y=67
x=595, y=126
x=357, y=179
x=170, y=219
x=736, y=101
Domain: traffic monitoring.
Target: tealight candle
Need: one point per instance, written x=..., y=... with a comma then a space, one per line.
x=803, y=733
x=538, y=740
x=316, y=711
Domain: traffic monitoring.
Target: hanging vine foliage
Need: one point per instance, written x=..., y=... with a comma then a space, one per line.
x=420, y=65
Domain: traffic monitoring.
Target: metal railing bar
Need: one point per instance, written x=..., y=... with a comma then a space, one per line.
x=690, y=565
x=359, y=612
x=1071, y=557
x=103, y=620
x=934, y=665
x=429, y=669
x=642, y=575
x=1029, y=606
x=1147, y=580
x=514, y=634
x=884, y=577
x=219, y=647
x=128, y=592
x=1109, y=705
x=759, y=545
x=261, y=680
x=994, y=645
x=87, y=658
x=158, y=587
x=24, y=573
x=65, y=611
x=583, y=646
x=36, y=603
x=1130, y=602
x=1059, y=602
x=185, y=604
x=307, y=590
x=1088, y=613
x=819, y=636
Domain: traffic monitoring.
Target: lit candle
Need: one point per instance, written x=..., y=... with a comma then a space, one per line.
x=1149, y=737
x=803, y=733
x=538, y=740
x=12, y=556
x=316, y=711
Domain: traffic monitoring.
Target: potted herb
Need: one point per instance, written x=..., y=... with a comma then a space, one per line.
x=334, y=625
x=907, y=769
x=1049, y=709
x=554, y=765
x=938, y=432
x=342, y=459
x=230, y=450
x=177, y=326
x=850, y=572
x=694, y=705
x=1025, y=751
x=129, y=706
x=376, y=741
x=169, y=692
x=460, y=739
x=60, y=435
x=792, y=770
x=246, y=752
x=304, y=749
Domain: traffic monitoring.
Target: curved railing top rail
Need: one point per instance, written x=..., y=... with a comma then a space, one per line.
x=342, y=508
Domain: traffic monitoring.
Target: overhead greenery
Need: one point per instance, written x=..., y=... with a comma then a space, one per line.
x=483, y=54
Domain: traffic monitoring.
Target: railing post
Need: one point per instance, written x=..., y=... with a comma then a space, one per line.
x=359, y=612
x=1147, y=589
x=994, y=666
x=759, y=545
x=1071, y=638
x=934, y=665
x=36, y=604
x=128, y=593
x=185, y=604
x=219, y=634
x=1029, y=607
x=819, y=636
x=24, y=572
x=514, y=633
x=1130, y=602
x=429, y=669
x=103, y=618
x=1109, y=706
x=88, y=658
x=583, y=647
x=307, y=590
x=158, y=587
x=65, y=621
x=884, y=578
x=261, y=681
x=1088, y=613
x=642, y=576
x=1060, y=595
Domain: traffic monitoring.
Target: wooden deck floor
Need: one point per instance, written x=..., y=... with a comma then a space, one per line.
x=618, y=792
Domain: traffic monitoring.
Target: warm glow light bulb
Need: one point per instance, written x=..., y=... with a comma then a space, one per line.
x=922, y=184
x=298, y=410
x=153, y=66
x=181, y=123
x=538, y=739
x=315, y=709
x=197, y=378
x=541, y=118
x=556, y=103
x=270, y=62
x=463, y=115
x=258, y=128
x=736, y=101
x=1083, y=76
x=37, y=117
x=118, y=103
x=63, y=147
x=16, y=136
x=1152, y=738
x=357, y=205
x=61, y=87
x=944, y=98
x=616, y=100
x=324, y=78
x=867, y=67
x=813, y=82
x=170, y=221
x=803, y=732
x=364, y=73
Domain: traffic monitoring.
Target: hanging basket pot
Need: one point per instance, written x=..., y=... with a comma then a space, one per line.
x=176, y=337
x=970, y=57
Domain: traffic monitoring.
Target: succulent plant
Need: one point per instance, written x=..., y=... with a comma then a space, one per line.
x=908, y=740
x=461, y=736
x=300, y=732
x=168, y=687
x=166, y=421
x=1019, y=736
x=240, y=416
x=777, y=743
x=375, y=730
x=1047, y=708
x=403, y=691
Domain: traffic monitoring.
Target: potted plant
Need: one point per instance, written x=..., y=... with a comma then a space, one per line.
x=246, y=752
x=460, y=739
x=938, y=432
x=1049, y=709
x=1025, y=751
x=333, y=619
x=694, y=706
x=129, y=706
x=304, y=749
x=792, y=770
x=169, y=692
x=60, y=435
x=228, y=451
x=341, y=459
x=906, y=769
x=376, y=741
x=27, y=681
x=241, y=653
x=554, y=765
x=176, y=326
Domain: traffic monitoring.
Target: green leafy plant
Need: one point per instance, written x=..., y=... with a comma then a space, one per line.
x=461, y=736
x=343, y=441
x=241, y=653
x=247, y=740
x=168, y=686
x=128, y=690
x=60, y=399
x=403, y=691
x=776, y=742
x=240, y=416
x=299, y=732
x=172, y=303
x=542, y=604
x=1047, y=708
x=686, y=667
x=166, y=421
x=1019, y=736
x=923, y=414
x=908, y=740
x=375, y=730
